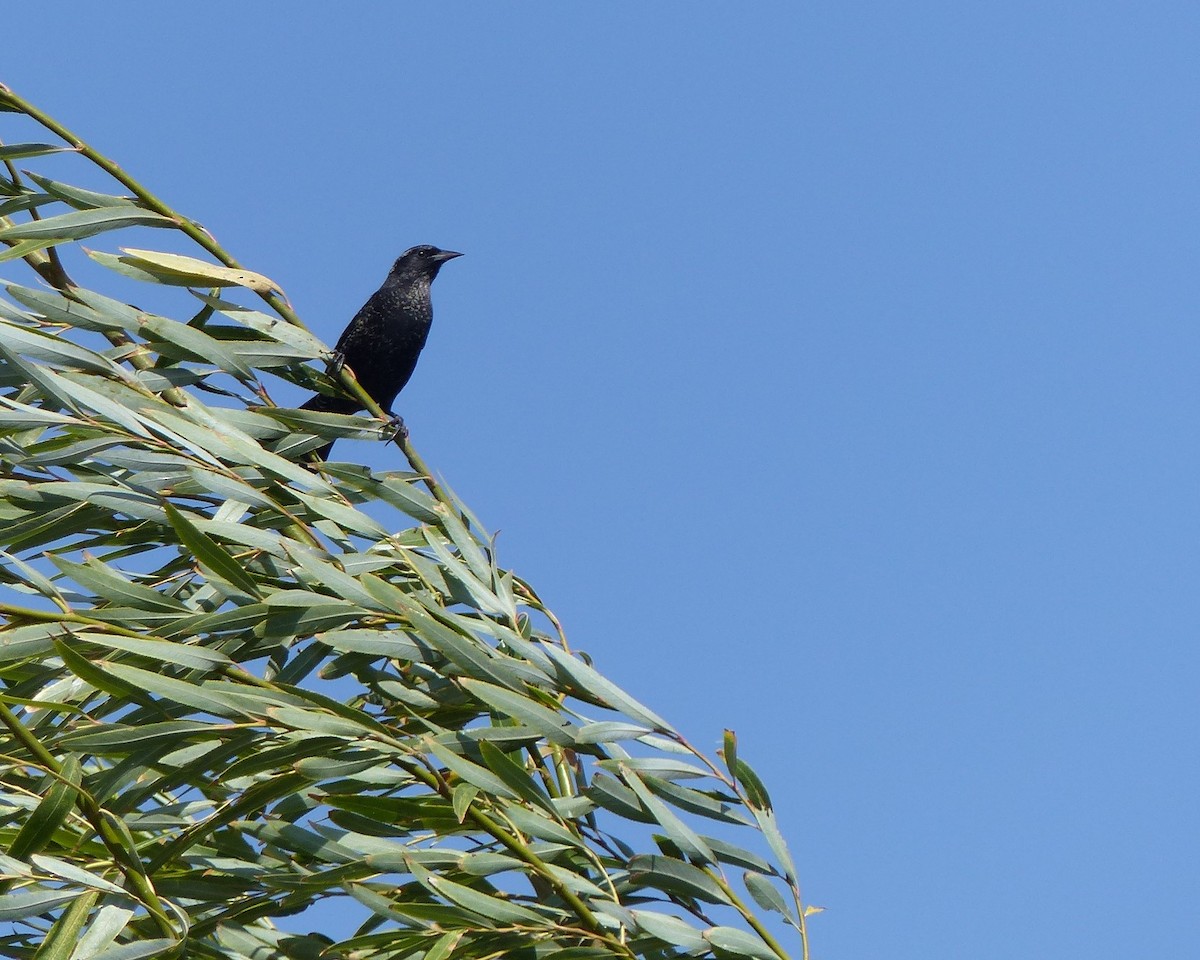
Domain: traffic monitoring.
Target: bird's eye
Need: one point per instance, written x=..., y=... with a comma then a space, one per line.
x=425, y=253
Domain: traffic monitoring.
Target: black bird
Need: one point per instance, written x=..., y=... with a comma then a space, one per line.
x=381, y=344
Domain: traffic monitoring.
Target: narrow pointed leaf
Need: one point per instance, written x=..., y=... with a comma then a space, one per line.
x=196, y=344
x=42, y=346
x=683, y=835
x=23, y=904
x=461, y=799
x=675, y=876
x=21, y=151
x=108, y=923
x=739, y=942
x=508, y=703
x=493, y=908
x=767, y=896
x=37, y=831
x=84, y=223
x=473, y=773
x=520, y=780
x=590, y=681
x=671, y=929
x=188, y=271
x=78, y=196
x=756, y=793
x=138, y=950
x=61, y=940
x=209, y=553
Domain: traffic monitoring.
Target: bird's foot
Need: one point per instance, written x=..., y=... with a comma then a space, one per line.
x=336, y=361
x=395, y=429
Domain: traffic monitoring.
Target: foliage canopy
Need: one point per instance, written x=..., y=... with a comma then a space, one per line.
x=231, y=689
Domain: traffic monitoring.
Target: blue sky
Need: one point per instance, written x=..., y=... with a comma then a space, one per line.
x=830, y=369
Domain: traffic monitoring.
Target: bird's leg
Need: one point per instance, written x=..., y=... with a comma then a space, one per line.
x=336, y=361
x=395, y=427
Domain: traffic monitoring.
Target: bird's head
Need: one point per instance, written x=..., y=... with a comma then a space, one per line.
x=421, y=263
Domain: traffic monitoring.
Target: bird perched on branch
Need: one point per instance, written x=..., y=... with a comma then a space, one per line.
x=383, y=341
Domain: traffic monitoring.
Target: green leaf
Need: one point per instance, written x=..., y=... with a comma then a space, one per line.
x=729, y=751
x=32, y=577
x=61, y=940
x=101, y=579
x=491, y=908
x=609, y=731
x=445, y=945
x=473, y=773
x=522, y=782
x=610, y=793
x=336, y=581
x=770, y=829
x=347, y=517
x=120, y=738
x=107, y=925
x=378, y=643
x=247, y=616
x=767, y=896
x=739, y=942
x=273, y=327
x=507, y=703
x=397, y=490
x=675, y=876
x=287, y=622
x=468, y=546
x=479, y=593
x=739, y=856
x=19, y=906
x=466, y=653
x=700, y=802
x=209, y=553
x=136, y=951
x=420, y=914
x=20, y=151
x=78, y=196
x=537, y=824
x=22, y=248
x=664, y=768
x=232, y=488
x=461, y=798
x=170, y=689
x=315, y=722
x=42, y=346
x=591, y=682
x=66, y=391
x=73, y=874
x=58, y=309
x=756, y=793
x=23, y=202
x=486, y=864
x=684, y=836
x=84, y=223
x=194, y=344
x=183, y=655
x=50, y=814
x=671, y=929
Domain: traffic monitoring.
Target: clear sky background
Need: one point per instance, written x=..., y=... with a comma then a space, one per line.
x=831, y=369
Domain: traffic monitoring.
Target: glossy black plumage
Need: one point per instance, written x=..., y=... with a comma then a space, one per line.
x=383, y=341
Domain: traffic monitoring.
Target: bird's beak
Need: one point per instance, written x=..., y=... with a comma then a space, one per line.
x=443, y=255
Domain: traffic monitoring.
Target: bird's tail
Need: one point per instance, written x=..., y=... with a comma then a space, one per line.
x=323, y=403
